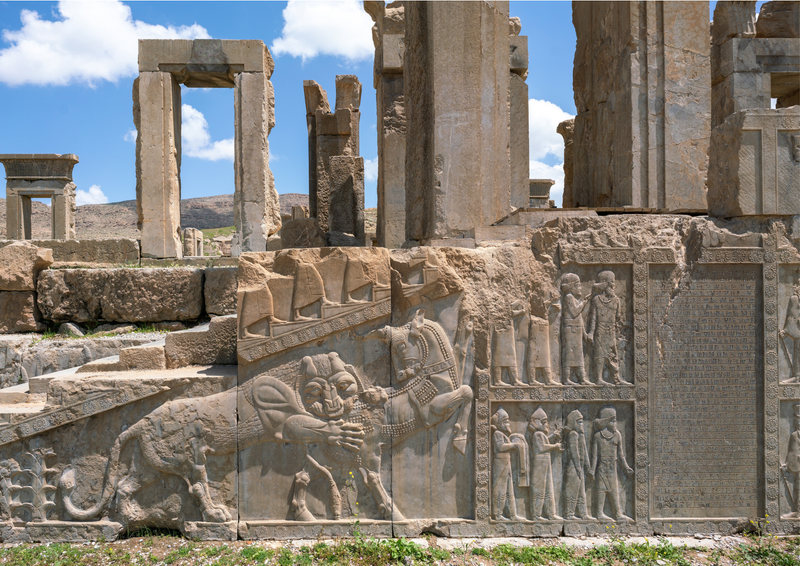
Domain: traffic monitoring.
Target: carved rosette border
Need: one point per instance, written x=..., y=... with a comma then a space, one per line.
x=62, y=415
x=771, y=374
x=254, y=349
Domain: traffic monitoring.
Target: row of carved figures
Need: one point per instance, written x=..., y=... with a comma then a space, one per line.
x=536, y=472
x=604, y=320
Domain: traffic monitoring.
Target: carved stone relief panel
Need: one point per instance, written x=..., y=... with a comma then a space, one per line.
x=313, y=375
x=155, y=450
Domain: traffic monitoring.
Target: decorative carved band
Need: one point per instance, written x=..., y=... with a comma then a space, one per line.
x=252, y=350
x=60, y=416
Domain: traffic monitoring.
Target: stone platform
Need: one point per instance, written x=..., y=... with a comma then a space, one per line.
x=629, y=372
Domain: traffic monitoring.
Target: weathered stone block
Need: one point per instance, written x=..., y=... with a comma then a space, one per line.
x=778, y=19
x=121, y=295
x=755, y=164
x=18, y=312
x=302, y=233
x=115, y=251
x=20, y=263
x=192, y=242
x=519, y=54
x=458, y=172
x=207, y=344
x=520, y=141
x=219, y=290
x=145, y=357
x=158, y=147
x=643, y=124
x=256, y=203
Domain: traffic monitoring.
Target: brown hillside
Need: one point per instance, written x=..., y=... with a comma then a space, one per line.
x=118, y=219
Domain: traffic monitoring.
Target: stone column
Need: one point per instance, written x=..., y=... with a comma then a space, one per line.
x=518, y=124
x=456, y=71
x=642, y=90
x=256, y=207
x=339, y=192
x=157, y=116
x=316, y=99
x=388, y=35
x=567, y=131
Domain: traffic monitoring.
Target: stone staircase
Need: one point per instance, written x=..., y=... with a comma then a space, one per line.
x=213, y=343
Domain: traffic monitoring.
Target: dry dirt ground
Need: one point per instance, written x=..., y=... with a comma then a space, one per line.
x=165, y=549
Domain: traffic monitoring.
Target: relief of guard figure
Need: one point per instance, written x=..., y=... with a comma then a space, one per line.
x=604, y=319
x=543, y=499
x=576, y=468
x=607, y=449
x=538, y=355
x=791, y=328
x=573, y=329
x=792, y=464
x=503, y=446
x=504, y=348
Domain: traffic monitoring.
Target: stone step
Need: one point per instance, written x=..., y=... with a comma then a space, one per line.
x=145, y=357
x=15, y=394
x=111, y=363
x=38, y=385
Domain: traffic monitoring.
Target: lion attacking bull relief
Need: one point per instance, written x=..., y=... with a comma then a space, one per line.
x=342, y=423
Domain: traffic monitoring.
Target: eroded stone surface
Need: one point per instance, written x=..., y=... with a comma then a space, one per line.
x=121, y=295
x=641, y=142
x=756, y=163
x=18, y=312
x=219, y=290
x=20, y=263
x=114, y=251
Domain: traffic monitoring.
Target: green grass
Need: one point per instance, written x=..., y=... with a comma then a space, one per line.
x=211, y=233
x=159, y=548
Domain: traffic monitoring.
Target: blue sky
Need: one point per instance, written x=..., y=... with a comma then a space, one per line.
x=67, y=68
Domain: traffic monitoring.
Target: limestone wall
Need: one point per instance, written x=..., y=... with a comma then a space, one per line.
x=634, y=373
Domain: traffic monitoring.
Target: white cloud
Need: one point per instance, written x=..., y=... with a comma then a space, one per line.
x=340, y=28
x=196, y=141
x=131, y=136
x=539, y=170
x=88, y=42
x=93, y=196
x=371, y=169
x=543, y=119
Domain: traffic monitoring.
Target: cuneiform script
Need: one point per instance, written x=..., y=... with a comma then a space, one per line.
x=705, y=377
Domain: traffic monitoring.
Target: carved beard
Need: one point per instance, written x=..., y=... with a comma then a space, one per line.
x=318, y=408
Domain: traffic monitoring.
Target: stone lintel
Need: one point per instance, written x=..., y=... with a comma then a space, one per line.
x=172, y=55
x=39, y=166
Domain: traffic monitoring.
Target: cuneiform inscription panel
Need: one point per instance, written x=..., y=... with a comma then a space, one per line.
x=704, y=352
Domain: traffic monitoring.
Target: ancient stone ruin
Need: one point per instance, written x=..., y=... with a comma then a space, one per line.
x=36, y=176
x=335, y=169
x=164, y=65
x=629, y=364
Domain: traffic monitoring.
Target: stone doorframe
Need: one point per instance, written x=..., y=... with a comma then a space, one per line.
x=39, y=175
x=245, y=66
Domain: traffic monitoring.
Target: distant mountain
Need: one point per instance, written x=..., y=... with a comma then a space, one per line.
x=118, y=219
